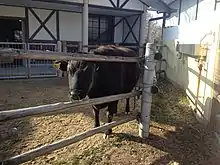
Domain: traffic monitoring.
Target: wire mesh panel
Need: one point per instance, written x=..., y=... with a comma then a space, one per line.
x=16, y=68
x=42, y=68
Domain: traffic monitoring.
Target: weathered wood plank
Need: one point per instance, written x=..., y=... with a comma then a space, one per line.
x=42, y=55
x=32, y=154
x=51, y=108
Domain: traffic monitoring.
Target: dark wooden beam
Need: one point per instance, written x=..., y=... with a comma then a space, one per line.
x=180, y=8
x=26, y=25
x=113, y=4
x=118, y=3
x=197, y=9
x=118, y=22
x=42, y=24
x=131, y=29
x=125, y=2
x=58, y=25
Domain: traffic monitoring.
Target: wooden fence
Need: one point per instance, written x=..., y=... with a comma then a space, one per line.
x=52, y=108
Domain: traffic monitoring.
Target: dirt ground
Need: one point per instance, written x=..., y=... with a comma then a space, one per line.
x=175, y=136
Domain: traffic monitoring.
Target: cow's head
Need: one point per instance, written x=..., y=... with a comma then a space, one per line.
x=81, y=75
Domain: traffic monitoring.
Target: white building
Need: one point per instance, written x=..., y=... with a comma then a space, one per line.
x=49, y=21
x=195, y=23
x=77, y=24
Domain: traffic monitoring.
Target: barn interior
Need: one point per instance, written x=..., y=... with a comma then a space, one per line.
x=11, y=30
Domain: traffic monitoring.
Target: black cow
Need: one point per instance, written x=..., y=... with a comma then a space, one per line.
x=98, y=79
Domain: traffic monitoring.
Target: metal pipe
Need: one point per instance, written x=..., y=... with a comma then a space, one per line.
x=198, y=86
x=149, y=71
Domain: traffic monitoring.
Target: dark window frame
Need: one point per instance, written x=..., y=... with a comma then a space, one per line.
x=108, y=28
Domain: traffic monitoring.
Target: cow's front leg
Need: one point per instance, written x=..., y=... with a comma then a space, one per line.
x=96, y=115
x=127, y=108
x=112, y=108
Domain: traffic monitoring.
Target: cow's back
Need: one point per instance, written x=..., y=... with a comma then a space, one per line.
x=114, y=77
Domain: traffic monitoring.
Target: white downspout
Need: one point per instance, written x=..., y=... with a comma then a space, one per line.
x=85, y=25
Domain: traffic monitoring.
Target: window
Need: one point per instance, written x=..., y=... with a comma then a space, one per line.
x=100, y=29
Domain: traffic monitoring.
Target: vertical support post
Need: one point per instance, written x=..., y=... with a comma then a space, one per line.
x=59, y=46
x=85, y=25
x=80, y=47
x=59, y=49
x=142, y=31
x=64, y=44
x=27, y=47
x=149, y=70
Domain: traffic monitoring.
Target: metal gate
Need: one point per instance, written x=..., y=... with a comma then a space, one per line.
x=21, y=68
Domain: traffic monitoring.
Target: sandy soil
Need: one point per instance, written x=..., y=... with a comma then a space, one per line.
x=175, y=136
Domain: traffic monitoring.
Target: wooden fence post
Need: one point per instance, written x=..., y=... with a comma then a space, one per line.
x=148, y=77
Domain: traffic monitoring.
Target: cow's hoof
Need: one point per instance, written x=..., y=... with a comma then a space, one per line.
x=95, y=126
x=105, y=136
x=127, y=113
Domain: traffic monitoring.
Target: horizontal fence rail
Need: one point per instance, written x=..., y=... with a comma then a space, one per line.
x=63, y=143
x=27, y=68
x=51, y=108
x=144, y=118
x=38, y=67
x=40, y=55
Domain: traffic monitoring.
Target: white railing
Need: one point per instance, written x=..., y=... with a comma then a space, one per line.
x=27, y=68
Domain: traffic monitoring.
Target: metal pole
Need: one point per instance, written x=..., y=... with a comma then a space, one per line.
x=85, y=25
x=149, y=71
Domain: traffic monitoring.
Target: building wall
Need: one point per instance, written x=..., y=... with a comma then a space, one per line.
x=135, y=22
x=70, y=26
x=118, y=34
x=122, y=30
x=189, y=11
x=131, y=4
x=202, y=29
x=34, y=24
x=8, y=11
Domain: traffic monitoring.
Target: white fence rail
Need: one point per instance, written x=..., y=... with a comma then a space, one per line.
x=29, y=68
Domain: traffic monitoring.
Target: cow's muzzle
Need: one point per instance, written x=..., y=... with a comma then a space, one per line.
x=76, y=95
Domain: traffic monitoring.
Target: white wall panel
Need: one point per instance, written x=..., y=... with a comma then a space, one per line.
x=70, y=26
x=118, y=31
x=135, y=29
x=205, y=9
x=188, y=11
x=34, y=24
x=133, y=4
x=102, y=2
x=9, y=11
x=173, y=19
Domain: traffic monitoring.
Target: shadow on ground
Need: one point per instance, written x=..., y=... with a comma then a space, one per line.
x=187, y=142
x=186, y=146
